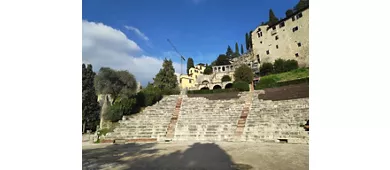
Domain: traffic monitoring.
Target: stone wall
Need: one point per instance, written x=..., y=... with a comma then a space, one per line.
x=284, y=42
x=201, y=119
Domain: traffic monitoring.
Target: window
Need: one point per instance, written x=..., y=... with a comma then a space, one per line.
x=190, y=80
x=261, y=34
x=299, y=15
x=261, y=42
x=258, y=34
x=281, y=24
x=293, y=18
x=274, y=27
x=267, y=52
x=258, y=58
x=276, y=37
x=299, y=44
x=201, y=72
x=296, y=55
x=180, y=80
x=277, y=47
x=295, y=29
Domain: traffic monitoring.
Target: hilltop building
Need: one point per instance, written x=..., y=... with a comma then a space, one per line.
x=286, y=39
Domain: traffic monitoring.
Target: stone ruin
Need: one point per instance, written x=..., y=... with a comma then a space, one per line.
x=246, y=118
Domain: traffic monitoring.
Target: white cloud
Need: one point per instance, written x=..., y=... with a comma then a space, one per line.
x=138, y=32
x=104, y=46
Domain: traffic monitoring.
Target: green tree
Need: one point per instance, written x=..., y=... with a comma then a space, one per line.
x=117, y=83
x=222, y=60
x=237, y=49
x=90, y=105
x=301, y=5
x=279, y=65
x=242, y=49
x=246, y=41
x=289, y=12
x=190, y=64
x=250, y=40
x=243, y=73
x=226, y=78
x=266, y=68
x=208, y=70
x=229, y=52
x=272, y=18
x=166, y=78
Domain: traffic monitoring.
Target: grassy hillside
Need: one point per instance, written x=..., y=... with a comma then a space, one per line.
x=276, y=80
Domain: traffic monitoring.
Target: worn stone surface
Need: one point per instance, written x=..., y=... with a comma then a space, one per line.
x=151, y=123
x=200, y=119
x=205, y=156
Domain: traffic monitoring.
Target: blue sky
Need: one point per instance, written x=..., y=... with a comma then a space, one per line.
x=200, y=29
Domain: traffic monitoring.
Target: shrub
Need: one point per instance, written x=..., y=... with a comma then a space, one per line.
x=114, y=112
x=266, y=82
x=243, y=73
x=151, y=95
x=208, y=70
x=270, y=82
x=174, y=91
x=123, y=106
x=266, y=68
x=212, y=91
x=226, y=78
x=241, y=85
x=281, y=65
x=290, y=65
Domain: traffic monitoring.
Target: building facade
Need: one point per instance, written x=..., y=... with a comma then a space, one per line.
x=188, y=81
x=286, y=39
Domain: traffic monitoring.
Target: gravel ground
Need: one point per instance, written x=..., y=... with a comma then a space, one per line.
x=213, y=156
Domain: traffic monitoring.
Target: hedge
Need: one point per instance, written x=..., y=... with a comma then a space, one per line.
x=270, y=83
x=212, y=91
x=241, y=85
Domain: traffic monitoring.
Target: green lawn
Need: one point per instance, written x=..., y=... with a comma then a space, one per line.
x=276, y=80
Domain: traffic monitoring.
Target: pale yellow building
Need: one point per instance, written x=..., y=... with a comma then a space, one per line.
x=189, y=81
x=287, y=39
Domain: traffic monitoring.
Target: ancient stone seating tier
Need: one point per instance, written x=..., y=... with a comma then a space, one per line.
x=151, y=123
x=273, y=121
x=201, y=119
x=182, y=118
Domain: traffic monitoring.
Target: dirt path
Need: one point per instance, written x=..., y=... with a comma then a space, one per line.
x=213, y=156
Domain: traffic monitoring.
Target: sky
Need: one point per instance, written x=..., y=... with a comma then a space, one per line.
x=132, y=34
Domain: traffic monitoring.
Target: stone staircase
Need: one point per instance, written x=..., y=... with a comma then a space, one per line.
x=182, y=118
x=277, y=121
x=244, y=114
x=148, y=126
x=172, y=124
x=208, y=120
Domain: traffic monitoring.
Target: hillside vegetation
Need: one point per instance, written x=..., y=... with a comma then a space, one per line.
x=276, y=80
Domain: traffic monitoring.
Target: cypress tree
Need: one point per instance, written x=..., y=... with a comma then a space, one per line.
x=237, y=49
x=242, y=49
x=229, y=52
x=190, y=64
x=272, y=18
x=246, y=41
x=90, y=105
